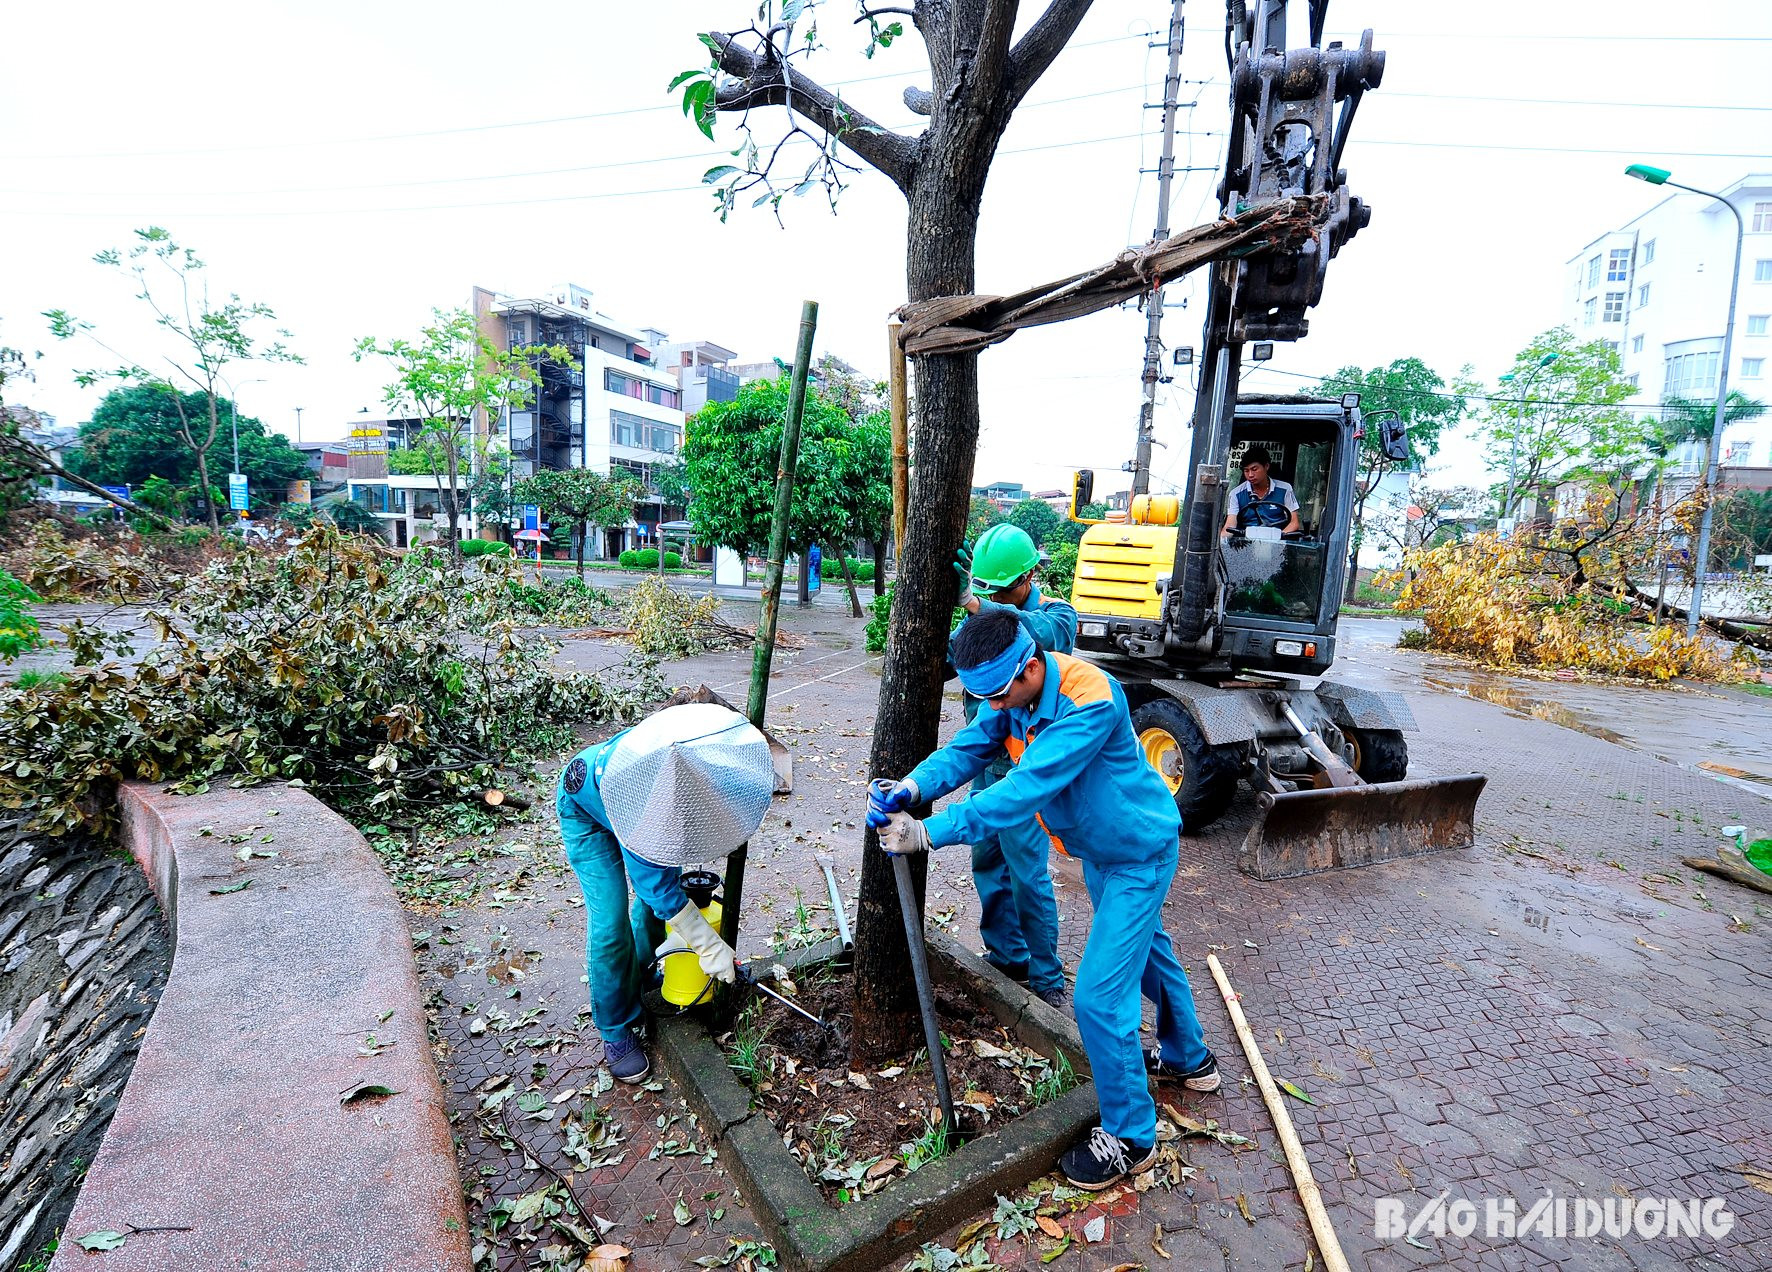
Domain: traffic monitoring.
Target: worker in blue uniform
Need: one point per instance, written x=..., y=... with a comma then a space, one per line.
x=684, y=786
x=1018, y=914
x=1078, y=765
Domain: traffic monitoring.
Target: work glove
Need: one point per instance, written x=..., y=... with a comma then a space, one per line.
x=716, y=957
x=903, y=834
x=886, y=797
x=963, y=567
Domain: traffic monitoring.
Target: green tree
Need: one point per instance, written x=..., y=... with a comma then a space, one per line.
x=491, y=491
x=19, y=477
x=208, y=336
x=731, y=452
x=980, y=71
x=671, y=481
x=580, y=498
x=1421, y=399
x=135, y=434
x=1573, y=424
x=447, y=376
x=866, y=473
x=1036, y=517
x=1072, y=532
x=1690, y=420
x=981, y=515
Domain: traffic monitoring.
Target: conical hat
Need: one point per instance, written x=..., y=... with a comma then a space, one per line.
x=687, y=785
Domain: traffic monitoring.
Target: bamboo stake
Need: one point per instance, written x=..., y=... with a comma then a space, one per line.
x=1303, y=1180
x=901, y=432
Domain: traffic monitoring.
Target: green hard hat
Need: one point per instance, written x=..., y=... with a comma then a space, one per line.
x=1002, y=555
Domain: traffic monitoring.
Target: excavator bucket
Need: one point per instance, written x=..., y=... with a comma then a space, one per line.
x=1303, y=832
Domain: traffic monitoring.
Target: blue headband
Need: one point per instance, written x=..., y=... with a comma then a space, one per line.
x=992, y=678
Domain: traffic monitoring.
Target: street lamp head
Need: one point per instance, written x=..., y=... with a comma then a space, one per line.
x=1548, y=358
x=1643, y=172
x=1507, y=377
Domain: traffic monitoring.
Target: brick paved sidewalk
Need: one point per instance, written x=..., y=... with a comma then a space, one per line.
x=1563, y=1008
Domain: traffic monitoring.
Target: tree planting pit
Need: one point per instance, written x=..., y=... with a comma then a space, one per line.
x=841, y=1167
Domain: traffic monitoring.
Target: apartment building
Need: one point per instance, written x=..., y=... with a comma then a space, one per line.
x=1656, y=289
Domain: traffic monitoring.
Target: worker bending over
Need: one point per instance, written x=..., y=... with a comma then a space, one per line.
x=1077, y=763
x=1011, y=867
x=684, y=786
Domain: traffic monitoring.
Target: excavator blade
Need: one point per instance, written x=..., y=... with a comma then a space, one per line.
x=1303, y=832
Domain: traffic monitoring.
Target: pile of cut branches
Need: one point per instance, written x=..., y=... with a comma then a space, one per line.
x=665, y=623
x=373, y=681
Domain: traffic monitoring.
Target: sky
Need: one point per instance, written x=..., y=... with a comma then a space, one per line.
x=354, y=166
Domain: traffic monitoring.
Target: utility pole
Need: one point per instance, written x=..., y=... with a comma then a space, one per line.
x=298, y=411
x=1153, y=340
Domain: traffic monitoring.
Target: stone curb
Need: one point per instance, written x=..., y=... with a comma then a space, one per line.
x=230, y=1136
x=814, y=1237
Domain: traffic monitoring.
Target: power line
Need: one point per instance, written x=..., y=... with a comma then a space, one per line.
x=1537, y=35
x=1478, y=397
x=478, y=128
x=1562, y=150
x=1567, y=101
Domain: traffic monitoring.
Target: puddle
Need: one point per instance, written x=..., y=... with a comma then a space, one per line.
x=1515, y=699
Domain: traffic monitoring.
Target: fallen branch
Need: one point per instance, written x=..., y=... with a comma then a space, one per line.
x=1745, y=875
x=1721, y=626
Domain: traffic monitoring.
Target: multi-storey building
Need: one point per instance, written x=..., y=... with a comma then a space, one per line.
x=610, y=408
x=1656, y=289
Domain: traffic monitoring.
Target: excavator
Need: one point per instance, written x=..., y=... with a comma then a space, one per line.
x=1218, y=616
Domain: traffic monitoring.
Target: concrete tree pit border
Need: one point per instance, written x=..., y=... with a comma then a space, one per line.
x=811, y=1235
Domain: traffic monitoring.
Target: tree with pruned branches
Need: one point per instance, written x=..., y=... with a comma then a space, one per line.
x=983, y=60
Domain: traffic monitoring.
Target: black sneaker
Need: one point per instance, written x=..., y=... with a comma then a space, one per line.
x=627, y=1059
x=1204, y=1078
x=1102, y=1160
x=1057, y=999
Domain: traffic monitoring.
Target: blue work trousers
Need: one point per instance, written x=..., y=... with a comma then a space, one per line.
x=618, y=944
x=1129, y=951
x=1019, y=916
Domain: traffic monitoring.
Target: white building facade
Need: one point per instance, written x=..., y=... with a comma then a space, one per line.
x=1656, y=289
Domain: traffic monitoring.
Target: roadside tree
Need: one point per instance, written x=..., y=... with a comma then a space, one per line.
x=451, y=372
x=581, y=498
x=206, y=338
x=1421, y=398
x=979, y=74
x=1036, y=517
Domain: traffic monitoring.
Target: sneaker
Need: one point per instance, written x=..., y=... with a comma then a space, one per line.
x=1103, y=1160
x=1056, y=999
x=627, y=1059
x=1204, y=1078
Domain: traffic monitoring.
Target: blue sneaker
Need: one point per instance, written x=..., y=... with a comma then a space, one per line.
x=627, y=1059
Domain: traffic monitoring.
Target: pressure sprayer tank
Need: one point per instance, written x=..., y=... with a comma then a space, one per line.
x=685, y=984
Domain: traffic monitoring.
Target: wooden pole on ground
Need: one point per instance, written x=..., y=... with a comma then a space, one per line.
x=1303, y=1180
x=901, y=434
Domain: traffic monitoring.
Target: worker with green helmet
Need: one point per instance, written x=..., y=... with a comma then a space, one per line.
x=1011, y=869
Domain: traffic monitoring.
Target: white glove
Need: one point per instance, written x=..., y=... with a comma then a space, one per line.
x=902, y=834
x=717, y=958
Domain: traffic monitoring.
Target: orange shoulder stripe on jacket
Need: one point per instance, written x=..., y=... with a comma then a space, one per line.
x=1082, y=682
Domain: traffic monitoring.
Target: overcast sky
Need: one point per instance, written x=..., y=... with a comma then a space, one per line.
x=354, y=165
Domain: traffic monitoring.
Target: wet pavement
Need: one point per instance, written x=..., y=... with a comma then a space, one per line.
x=1563, y=1010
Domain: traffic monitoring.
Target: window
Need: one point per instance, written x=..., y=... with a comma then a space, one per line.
x=1763, y=271
x=644, y=434
x=1636, y=344
x=1618, y=265
x=645, y=390
x=1738, y=453
x=1649, y=252
x=1690, y=374
x=1756, y=324
x=1751, y=368
x=1642, y=295
x=1587, y=311
x=1614, y=306
x=1611, y=345
x=1631, y=380
x=1762, y=216
x=1593, y=272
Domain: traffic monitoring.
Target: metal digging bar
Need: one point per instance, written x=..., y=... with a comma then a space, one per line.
x=830, y=882
x=913, y=933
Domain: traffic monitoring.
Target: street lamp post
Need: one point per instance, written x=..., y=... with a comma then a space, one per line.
x=1713, y=458
x=1513, y=449
x=234, y=412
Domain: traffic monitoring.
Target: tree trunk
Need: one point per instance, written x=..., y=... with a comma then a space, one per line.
x=880, y=565
x=1353, y=562
x=584, y=532
x=454, y=502
x=849, y=582
x=941, y=252
x=208, y=490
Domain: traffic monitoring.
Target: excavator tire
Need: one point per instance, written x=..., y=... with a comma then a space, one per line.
x=1379, y=755
x=1209, y=774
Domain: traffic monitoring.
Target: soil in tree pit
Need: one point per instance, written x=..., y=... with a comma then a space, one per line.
x=855, y=1132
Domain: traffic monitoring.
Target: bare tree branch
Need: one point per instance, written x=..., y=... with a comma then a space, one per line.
x=990, y=69
x=1043, y=42
x=764, y=82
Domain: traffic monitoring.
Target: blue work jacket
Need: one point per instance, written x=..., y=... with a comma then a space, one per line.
x=583, y=815
x=1077, y=767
